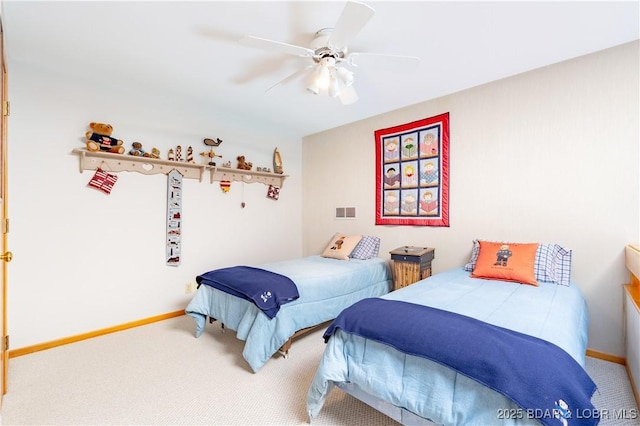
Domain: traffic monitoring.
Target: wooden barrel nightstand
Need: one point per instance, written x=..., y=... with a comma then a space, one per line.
x=411, y=264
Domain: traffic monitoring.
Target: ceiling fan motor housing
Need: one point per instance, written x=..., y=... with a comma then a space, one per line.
x=321, y=48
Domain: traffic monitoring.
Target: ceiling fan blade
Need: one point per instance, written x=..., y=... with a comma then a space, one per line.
x=348, y=95
x=291, y=77
x=352, y=20
x=263, y=43
x=384, y=61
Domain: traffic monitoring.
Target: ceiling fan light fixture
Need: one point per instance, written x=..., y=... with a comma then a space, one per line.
x=345, y=76
x=323, y=78
x=313, y=87
x=334, y=88
x=320, y=78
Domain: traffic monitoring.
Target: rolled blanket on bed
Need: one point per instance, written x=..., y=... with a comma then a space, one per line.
x=266, y=289
x=540, y=377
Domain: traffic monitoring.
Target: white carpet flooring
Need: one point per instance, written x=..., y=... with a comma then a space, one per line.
x=160, y=374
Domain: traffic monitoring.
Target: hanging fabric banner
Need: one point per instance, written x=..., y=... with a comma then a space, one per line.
x=174, y=217
x=412, y=173
x=103, y=181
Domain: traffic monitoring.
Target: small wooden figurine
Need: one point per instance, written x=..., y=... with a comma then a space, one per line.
x=211, y=154
x=277, y=162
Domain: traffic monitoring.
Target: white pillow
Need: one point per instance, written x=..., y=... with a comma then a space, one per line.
x=341, y=246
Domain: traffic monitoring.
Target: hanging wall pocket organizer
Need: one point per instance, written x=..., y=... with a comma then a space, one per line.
x=103, y=181
x=174, y=217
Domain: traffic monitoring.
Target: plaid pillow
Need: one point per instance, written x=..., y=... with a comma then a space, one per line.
x=367, y=248
x=552, y=264
x=474, y=257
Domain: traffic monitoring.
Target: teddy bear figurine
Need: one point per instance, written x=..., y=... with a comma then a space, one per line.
x=99, y=139
x=242, y=164
x=137, y=150
x=155, y=152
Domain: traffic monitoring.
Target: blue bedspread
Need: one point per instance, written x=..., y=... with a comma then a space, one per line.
x=266, y=289
x=523, y=368
x=326, y=286
x=416, y=385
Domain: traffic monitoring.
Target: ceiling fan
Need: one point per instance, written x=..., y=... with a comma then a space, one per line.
x=328, y=71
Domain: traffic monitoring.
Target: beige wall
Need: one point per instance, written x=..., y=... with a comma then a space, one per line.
x=85, y=261
x=551, y=155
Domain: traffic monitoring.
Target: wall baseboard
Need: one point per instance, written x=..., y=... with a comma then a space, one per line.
x=617, y=360
x=636, y=389
x=606, y=357
x=52, y=344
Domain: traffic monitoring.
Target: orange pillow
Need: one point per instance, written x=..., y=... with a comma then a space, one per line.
x=507, y=262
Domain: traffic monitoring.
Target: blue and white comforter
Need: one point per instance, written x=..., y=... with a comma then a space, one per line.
x=551, y=312
x=325, y=286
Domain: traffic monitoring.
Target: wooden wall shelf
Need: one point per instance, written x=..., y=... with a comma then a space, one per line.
x=128, y=163
x=246, y=176
x=150, y=166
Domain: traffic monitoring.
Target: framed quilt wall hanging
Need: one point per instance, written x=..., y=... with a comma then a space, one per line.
x=412, y=173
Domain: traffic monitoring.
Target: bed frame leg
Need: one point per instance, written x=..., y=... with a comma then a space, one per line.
x=212, y=320
x=284, y=349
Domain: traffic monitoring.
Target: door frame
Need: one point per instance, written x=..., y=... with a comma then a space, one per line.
x=4, y=219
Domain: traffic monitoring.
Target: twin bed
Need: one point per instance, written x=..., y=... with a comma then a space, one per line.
x=471, y=345
x=459, y=349
x=326, y=284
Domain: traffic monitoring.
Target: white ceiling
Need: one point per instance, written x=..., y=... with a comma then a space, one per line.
x=191, y=49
